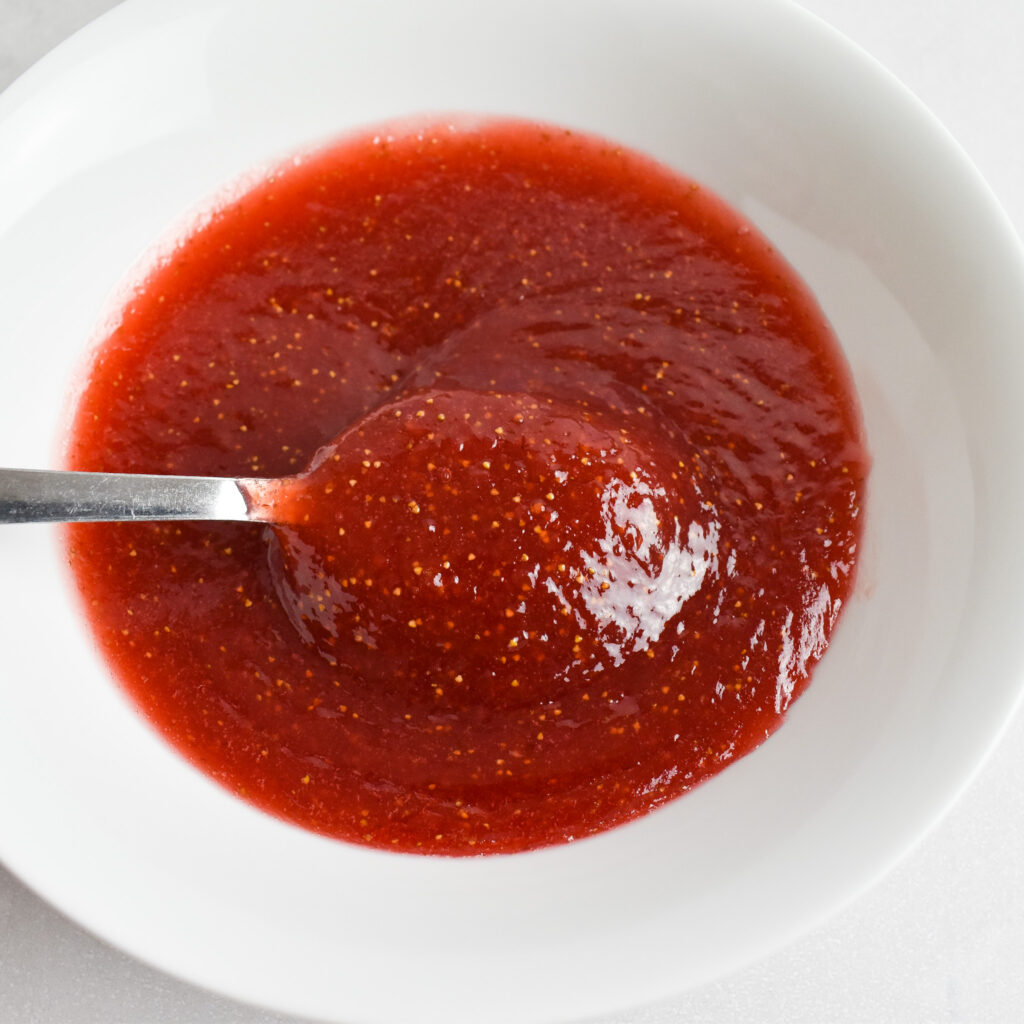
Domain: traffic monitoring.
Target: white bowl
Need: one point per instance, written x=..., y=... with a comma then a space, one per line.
x=118, y=134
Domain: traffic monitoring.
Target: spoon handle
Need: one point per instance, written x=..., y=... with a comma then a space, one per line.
x=48, y=496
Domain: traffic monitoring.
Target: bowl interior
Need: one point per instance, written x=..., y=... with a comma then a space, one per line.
x=117, y=138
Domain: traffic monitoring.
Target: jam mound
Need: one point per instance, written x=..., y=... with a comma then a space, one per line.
x=489, y=550
x=573, y=499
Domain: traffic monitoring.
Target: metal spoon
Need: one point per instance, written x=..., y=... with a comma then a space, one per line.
x=47, y=496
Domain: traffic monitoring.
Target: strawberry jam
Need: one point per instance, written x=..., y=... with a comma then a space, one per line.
x=570, y=498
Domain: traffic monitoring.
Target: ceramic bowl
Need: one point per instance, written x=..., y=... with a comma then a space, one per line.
x=121, y=133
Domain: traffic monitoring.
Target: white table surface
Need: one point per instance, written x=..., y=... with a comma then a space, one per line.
x=941, y=938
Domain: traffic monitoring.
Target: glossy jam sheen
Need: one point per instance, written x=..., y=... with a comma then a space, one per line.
x=575, y=468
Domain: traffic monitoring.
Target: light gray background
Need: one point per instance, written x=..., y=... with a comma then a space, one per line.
x=941, y=939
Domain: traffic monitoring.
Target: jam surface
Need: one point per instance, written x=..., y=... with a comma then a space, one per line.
x=573, y=477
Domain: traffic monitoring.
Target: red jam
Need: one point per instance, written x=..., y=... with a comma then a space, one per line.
x=574, y=475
